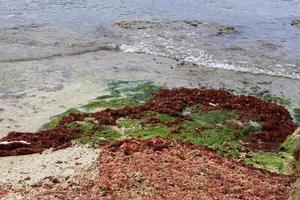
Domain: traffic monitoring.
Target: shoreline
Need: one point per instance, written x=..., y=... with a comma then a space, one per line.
x=159, y=100
x=68, y=165
x=73, y=92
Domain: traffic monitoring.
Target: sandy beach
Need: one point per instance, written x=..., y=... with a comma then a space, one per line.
x=149, y=100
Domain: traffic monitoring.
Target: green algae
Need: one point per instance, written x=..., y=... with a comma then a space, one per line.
x=297, y=115
x=113, y=103
x=248, y=129
x=276, y=162
x=290, y=143
x=161, y=116
x=165, y=117
x=54, y=121
x=221, y=139
x=215, y=117
x=141, y=91
x=104, y=134
x=215, y=133
x=133, y=128
x=205, y=129
x=123, y=93
x=127, y=123
x=192, y=109
x=270, y=161
x=150, y=131
x=86, y=127
x=73, y=126
x=107, y=132
x=89, y=119
x=209, y=129
x=107, y=97
x=212, y=129
x=273, y=99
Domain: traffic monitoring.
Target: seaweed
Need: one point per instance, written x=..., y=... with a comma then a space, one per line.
x=54, y=120
x=238, y=126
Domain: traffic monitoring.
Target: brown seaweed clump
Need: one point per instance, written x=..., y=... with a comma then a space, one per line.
x=277, y=122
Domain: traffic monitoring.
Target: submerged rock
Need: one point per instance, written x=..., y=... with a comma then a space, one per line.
x=225, y=29
x=192, y=22
x=138, y=24
x=296, y=22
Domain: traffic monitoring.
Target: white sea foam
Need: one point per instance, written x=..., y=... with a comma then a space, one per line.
x=205, y=59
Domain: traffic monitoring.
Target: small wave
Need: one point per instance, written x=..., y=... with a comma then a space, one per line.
x=208, y=44
x=205, y=59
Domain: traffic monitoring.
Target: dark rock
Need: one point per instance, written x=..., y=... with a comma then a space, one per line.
x=295, y=22
x=194, y=23
x=226, y=29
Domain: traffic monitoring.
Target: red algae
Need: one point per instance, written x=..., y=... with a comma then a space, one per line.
x=277, y=122
x=168, y=169
x=164, y=169
x=37, y=142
